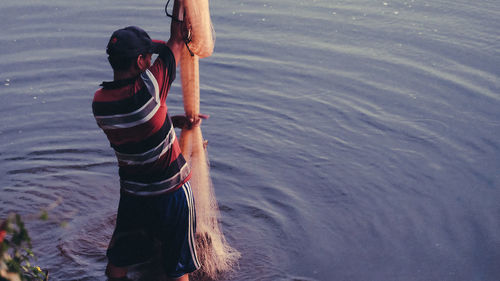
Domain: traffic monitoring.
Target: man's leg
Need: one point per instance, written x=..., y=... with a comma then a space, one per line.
x=131, y=242
x=177, y=232
x=184, y=277
x=114, y=272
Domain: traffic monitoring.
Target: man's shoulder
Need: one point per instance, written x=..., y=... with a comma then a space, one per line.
x=97, y=95
x=116, y=90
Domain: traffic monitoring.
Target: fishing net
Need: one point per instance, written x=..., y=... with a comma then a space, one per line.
x=216, y=256
x=200, y=37
x=197, y=19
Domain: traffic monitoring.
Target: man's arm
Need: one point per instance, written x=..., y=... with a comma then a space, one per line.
x=176, y=41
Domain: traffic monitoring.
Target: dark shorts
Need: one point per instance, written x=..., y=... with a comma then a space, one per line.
x=168, y=218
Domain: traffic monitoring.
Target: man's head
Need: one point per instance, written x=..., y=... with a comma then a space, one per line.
x=128, y=46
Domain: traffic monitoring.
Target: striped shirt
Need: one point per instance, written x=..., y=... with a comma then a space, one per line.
x=134, y=116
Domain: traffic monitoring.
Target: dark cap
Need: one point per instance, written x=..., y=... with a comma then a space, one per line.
x=130, y=41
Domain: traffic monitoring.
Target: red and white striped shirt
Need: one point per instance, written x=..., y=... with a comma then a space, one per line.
x=134, y=116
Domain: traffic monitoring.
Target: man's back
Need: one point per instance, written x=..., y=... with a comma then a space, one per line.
x=133, y=115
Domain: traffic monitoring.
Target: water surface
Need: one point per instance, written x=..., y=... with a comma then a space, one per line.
x=349, y=140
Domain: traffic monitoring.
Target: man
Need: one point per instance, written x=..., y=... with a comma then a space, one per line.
x=156, y=201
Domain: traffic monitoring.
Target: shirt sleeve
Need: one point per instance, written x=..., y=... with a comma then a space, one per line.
x=164, y=68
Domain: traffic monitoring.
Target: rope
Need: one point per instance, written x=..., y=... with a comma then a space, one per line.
x=187, y=40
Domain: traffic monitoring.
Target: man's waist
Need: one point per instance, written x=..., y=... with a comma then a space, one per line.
x=169, y=183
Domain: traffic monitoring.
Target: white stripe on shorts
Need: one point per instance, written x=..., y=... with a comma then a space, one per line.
x=192, y=218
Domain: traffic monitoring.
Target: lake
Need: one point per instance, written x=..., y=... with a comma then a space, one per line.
x=348, y=140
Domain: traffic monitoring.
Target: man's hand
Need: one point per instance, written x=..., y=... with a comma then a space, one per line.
x=178, y=31
x=184, y=122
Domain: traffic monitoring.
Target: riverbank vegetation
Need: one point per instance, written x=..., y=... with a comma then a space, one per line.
x=16, y=255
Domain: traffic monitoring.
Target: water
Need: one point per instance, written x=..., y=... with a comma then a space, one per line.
x=349, y=140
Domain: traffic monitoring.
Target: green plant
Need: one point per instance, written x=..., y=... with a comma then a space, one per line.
x=15, y=252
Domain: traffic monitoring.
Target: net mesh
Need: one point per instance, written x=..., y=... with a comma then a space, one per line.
x=216, y=256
